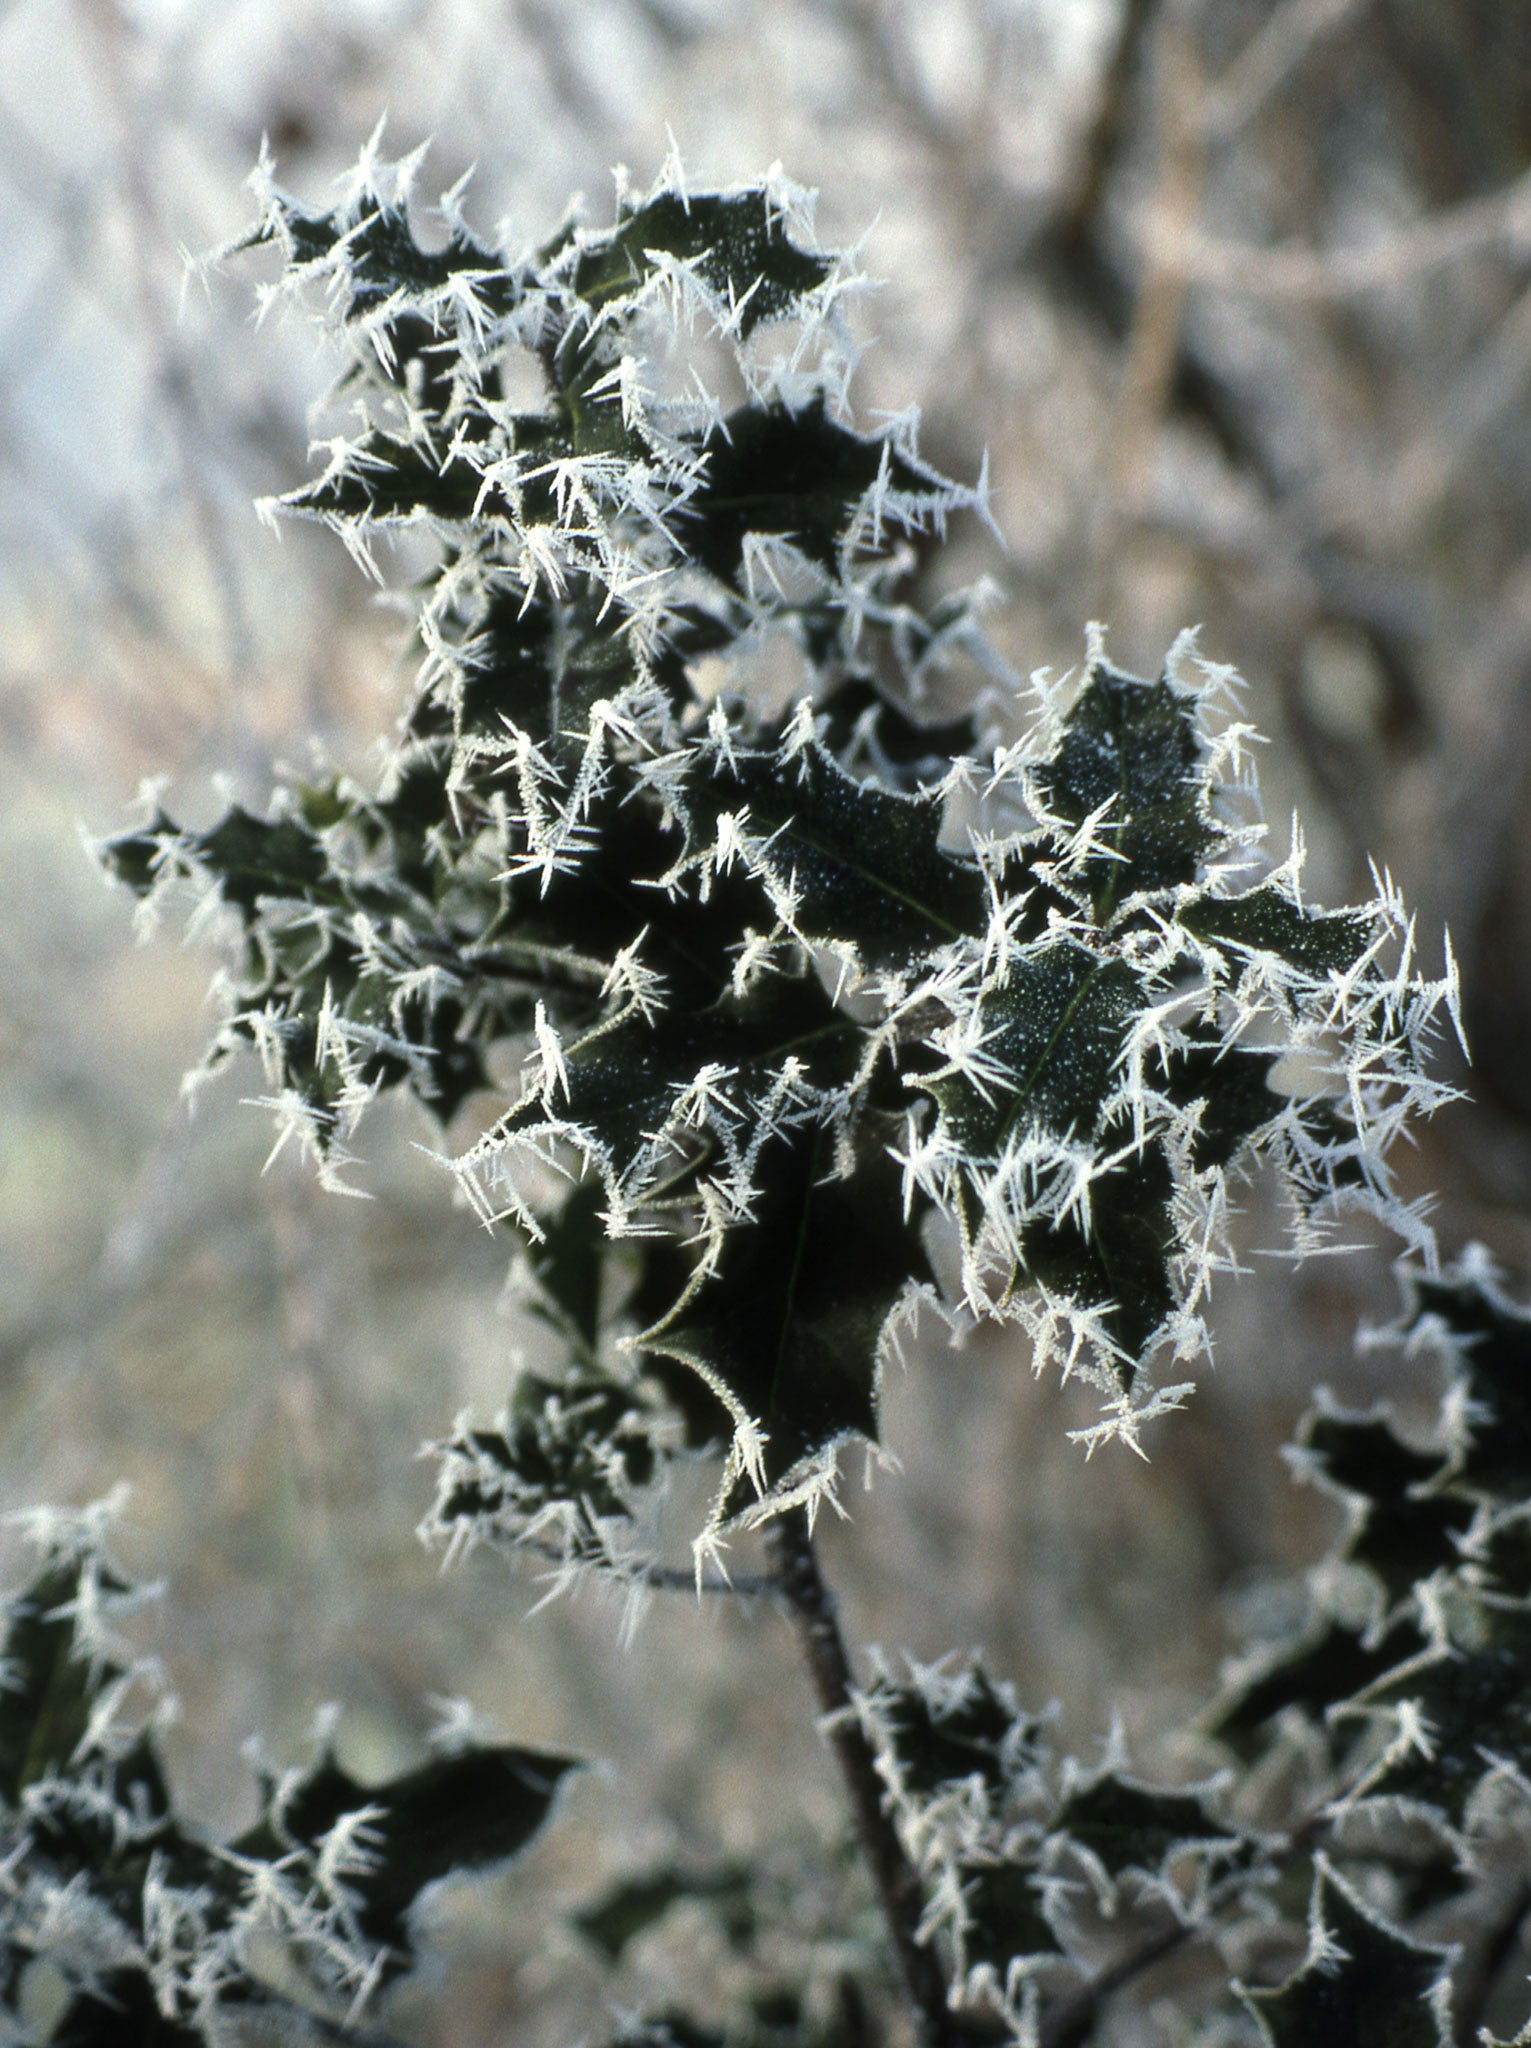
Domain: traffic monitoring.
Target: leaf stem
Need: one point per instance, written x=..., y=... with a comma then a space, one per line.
x=900, y=1896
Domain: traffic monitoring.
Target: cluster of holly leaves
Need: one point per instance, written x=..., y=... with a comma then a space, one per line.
x=1350, y=1868
x=895, y=981
x=795, y=976
x=1354, y=1866
x=122, y=1925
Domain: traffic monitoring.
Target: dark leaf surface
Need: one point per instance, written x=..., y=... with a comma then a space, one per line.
x=798, y=475
x=121, y=2012
x=1003, y=1919
x=1326, y=1665
x=1493, y=1342
x=1476, y=1707
x=737, y=241
x=1364, y=1985
x=1267, y=920
x=51, y=1687
x=1134, y=746
x=1404, y=1532
x=1128, y=1826
x=790, y=1322
x=969, y=1728
x=866, y=861
x=456, y=1815
x=630, y=1908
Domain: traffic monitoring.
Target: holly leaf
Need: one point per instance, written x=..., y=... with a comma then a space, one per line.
x=121, y=2011
x=569, y=1265
x=790, y=1325
x=585, y=1443
x=381, y=256
x=736, y=242
x=863, y=865
x=45, y=1703
x=1461, y=1710
x=1131, y=751
x=870, y=736
x=1122, y=1826
x=631, y=1907
x=1402, y=1532
x=1269, y=920
x=1361, y=1982
x=1051, y=1037
x=947, y=1728
x=457, y=1815
x=800, y=476
x=1326, y=1665
x=1489, y=1338
x=1001, y=1921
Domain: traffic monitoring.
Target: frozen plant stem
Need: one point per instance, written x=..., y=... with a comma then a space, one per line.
x=899, y=1894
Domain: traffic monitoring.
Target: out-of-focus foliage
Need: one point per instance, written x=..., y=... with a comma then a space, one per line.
x=122, y=1925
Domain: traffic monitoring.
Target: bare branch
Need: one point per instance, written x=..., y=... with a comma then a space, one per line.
x=1499, y=222
x=1268, y=62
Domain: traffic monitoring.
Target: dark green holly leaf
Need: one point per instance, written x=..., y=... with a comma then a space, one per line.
x=455, y=1816
x=1322, y=1668
x=1364, y=1455
x=869, y=736
x=1491, y=1338
x=1002, y=1918
x=1051, y=1038
x=1500, y=1555
x=252, y=859
x=631, y=1907
x=736, y=241
x=789, y=1327
x=623, y=1080
x=134, y=858
x=1404, y=1542
x=586, y=1443
x=950, y=1727
x=1124, y=1826
x=864, y=863
x=1051, y=1034
x=1135, y=746
x=1363, y=1983
x=533, y=668
x=383, y=259
x=389, y=480
x=121, y=2011
x=1473, y=1705
x=1232, y=1087
x=569, y=1264
x=1403, y=1533
x=381, y=255
x=1268, y=920
x=53, y=1680
x=798, y=475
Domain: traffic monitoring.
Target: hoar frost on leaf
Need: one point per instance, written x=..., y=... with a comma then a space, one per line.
x=152, y=1931
x=777, y=1008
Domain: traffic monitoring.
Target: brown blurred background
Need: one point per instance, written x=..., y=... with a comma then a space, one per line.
x=1237, y=296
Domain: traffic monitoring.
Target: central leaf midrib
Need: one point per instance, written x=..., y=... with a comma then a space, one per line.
x=1029, y=1084
x=790, y=828
x=790, y=1287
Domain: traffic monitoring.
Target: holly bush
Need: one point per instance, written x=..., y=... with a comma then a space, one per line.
x=896, y=992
